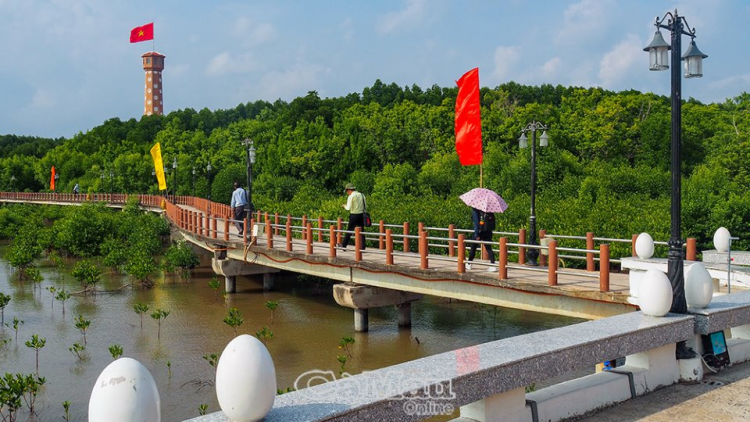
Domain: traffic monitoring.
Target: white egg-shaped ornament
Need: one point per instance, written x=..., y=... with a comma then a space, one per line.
x=245, y=380
x=721, y=239
x=699, y=287
x=655, y=293
x=644, y=246
x=125, y=391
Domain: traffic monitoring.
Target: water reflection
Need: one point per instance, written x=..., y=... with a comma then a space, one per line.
x=307, y=327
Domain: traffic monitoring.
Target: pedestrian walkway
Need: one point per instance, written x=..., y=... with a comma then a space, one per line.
x=721, y=397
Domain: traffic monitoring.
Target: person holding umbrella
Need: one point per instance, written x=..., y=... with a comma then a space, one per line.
x=484, y=203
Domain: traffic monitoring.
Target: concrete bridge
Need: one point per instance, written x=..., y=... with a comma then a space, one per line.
x=397, y=267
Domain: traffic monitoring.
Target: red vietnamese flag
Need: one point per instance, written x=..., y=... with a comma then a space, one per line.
x=142, y=33
x=468, y=119
x=52, y=179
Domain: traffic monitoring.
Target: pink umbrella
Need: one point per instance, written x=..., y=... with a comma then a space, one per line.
x=484, y=200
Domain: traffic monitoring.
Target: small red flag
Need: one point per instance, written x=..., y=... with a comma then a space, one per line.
x=52, y=179
x=142, y=33
x=468, y=119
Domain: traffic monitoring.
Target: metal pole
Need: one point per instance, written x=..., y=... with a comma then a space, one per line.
x=675, y=260
x=249, y=165
x=533, y=253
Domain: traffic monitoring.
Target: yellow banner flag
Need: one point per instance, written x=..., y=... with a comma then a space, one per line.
x=158, y=166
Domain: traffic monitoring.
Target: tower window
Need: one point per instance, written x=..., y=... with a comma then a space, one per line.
x=148, y=60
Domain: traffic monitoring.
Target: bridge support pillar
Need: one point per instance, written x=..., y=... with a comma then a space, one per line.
x=361, y=298
x=268, y=281
x=361, y=321
x=508, y=406
x=230, y=283
x=404, y=314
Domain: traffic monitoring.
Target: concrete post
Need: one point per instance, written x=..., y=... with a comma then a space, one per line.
x=461, y=254
x=304, y=225
x=404, y=314
x=289, y=246
x=230, y=283
x=522, y=250
x=691, y=249
x=268, y=281
x=604, y=267
x=590, y=266
x=406, y=233
x=502, y=259
x=553, y=262
x=361, y=323
x=381, y=238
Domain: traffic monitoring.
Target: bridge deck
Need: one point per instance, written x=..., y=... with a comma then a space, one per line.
x=579, y=285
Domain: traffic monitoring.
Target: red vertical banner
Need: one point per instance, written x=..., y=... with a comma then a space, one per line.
x=52, y=179
x=468, y=119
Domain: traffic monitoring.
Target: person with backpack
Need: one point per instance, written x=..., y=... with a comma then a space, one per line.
x=484, y=224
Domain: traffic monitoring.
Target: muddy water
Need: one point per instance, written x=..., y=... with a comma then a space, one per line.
x=307, y=327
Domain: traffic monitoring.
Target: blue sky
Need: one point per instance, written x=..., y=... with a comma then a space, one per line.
x=68, y=66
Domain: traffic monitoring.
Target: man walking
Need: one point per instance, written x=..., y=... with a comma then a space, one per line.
x=356, y=206
x=239, y=200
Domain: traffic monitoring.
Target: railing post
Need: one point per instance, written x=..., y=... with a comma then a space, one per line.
x=423, y=250
x=388, y=247
x=309, y=237
x=461, y=254
x=289, y=246
x=590, y=266
x=213, y=222
x=195, y=222
x=269, y=234
x=226, y=229
x=542, y=256
x=502, y=259
x=632, y=248
x=381, y=236
x=276, y=223
x=420, y=227
x=304, y=226
x=521, y=249
x=357, y=244
x=552, y=268
x=339, y=226
x=320, y=229
x=604, y=267
x=406, y=238
x=691, y=247
x=332, y=241
x=451, y=243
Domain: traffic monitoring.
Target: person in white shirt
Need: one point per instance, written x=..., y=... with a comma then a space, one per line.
x=355, y=204
x=239, y=200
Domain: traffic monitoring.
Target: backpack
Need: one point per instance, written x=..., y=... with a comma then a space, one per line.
x=486, y=222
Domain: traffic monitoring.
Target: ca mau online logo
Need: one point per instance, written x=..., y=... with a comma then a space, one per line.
x=421, y=396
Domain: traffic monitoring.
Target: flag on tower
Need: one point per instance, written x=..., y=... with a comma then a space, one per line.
x=142, y=33
x=468, y=120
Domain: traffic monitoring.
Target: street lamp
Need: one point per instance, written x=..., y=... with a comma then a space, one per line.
x=208, y=173
x=658, y=60
x=250, y=159
x=111, y=182
x=532, y=253
x=193, y=180
x=174, y=176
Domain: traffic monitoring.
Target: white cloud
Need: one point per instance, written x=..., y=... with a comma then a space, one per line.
x=347, y=30
x=254, y=33
x=412, y=13
x=293, y=82
x=225, y=63
x=618, y=64
x=582, y=21
x=504, y=60
x=737, y=82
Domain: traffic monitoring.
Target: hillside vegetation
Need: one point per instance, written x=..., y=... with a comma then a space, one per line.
x=606, y=169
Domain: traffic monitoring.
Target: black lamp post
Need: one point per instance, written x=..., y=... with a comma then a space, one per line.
x=658, y=60
x=250, y=160
x=208, y=175
x=193, y=180
x=532, y=253
x=174, y=177
x=111, y=182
